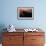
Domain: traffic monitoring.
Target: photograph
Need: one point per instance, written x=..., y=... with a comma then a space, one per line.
x=25, y=13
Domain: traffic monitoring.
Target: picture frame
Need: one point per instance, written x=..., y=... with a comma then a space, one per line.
x=25, y=13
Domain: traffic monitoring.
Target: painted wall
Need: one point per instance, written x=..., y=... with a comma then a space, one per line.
x=9, y=13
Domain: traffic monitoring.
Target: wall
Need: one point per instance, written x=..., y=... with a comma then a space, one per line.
x=8, y=13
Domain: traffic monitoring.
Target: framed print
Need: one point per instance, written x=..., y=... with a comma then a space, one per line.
x=25, y=13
